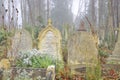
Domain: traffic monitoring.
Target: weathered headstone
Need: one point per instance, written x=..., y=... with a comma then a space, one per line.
x=22, y=41
x=82, y=50
x=50, y=41
x=115, y=57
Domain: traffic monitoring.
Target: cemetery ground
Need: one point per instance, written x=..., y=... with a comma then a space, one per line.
x=59, y=39
x=47, y=54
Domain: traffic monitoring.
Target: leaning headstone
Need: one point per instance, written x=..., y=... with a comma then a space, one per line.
x=22, y=41
x=115, y=57
x=50, y=41
x=82, y=50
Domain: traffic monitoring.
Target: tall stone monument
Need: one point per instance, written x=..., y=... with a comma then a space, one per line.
x=50, y=41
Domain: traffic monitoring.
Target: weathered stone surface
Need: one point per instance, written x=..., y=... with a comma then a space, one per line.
x=82, y=49
x=18, y=73
x=50, y=41
x=22, y=41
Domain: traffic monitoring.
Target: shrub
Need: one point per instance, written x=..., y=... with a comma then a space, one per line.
x=35, y=59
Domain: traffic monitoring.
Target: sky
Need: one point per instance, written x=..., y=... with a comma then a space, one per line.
x=75, y=7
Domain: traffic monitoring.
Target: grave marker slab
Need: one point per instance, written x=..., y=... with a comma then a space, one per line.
x=22, y=41
x=50, y=41
x=82, y=49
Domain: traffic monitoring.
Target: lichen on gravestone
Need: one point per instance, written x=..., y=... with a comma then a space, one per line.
x=22, y=41
x=82, y=49
x=50, y=41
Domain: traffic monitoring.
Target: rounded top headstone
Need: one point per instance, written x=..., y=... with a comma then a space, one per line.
x=21, y=41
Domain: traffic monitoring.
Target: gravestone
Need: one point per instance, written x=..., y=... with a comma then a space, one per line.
x=115, y=57
x=50, y=41
x=22, y=41
x=82, y=50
